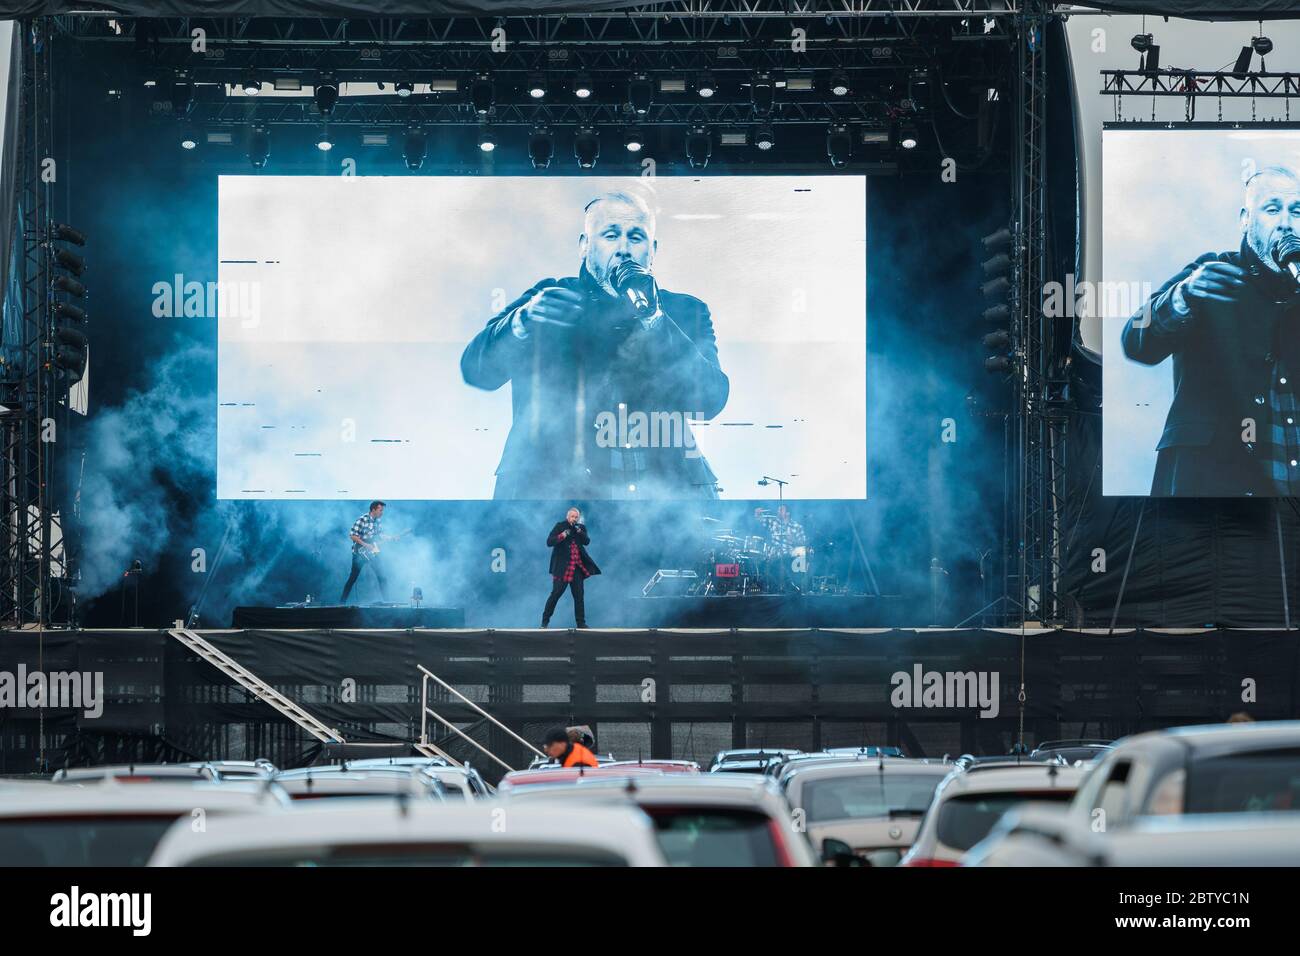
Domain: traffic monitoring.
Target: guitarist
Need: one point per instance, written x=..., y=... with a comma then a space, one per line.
x=365, y=550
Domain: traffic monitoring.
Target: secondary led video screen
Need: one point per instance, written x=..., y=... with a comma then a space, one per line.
x=541, y=338
x=1199, y=307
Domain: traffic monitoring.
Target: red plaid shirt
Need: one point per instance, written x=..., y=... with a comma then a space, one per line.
x=575, y=561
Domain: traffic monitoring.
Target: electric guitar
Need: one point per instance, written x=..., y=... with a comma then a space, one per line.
x=369, y=553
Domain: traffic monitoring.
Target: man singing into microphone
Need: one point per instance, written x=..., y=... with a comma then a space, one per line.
x=1229, y=322
x=570, y=565
x=606, y=369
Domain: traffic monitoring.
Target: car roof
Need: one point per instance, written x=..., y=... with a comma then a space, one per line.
x=1246, y=839
x=1210, y=740
x=395, y=762
x=361, y=782
x=110, y=797
x=669, y=766
x=363, y=822
x=143, y=771
x=999, y=779
x=701, y=788
x=539, y=776
x=869, y=767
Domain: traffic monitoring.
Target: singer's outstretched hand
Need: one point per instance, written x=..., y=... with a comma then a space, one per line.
x=1214, y=282
x=552, y=305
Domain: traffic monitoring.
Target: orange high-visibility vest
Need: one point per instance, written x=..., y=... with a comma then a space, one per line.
x=580, y=756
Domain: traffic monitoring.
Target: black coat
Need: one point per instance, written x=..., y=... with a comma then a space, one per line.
x=560, y=548
x=1223, y=358
x=562, y=379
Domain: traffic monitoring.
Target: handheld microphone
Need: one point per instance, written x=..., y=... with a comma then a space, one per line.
x=635, y=281
x=1286, y=253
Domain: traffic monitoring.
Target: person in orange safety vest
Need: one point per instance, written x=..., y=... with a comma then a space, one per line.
x=559, y=747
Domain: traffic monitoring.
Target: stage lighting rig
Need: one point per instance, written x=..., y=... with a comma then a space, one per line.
x=487, y=140
x=259, y=146
x=325, y=94
x=583, y=87
x=762, y=93
x=404, y=89
x=906, y=135
x=706, y=86
x=414, y=147
x=323, y=141
x=997, y=290
x=250, y=83
x=764, y=137
x=839, y=146
x=1145, y=44
x=71, y=347
x=839, y=85
x=634, y=141
x=189, y=137
x=482, y=94
x=699, y=147
x=640, y=94
x=536, y=87
x=541, y=147
x=1261, y=45
x=586, y=147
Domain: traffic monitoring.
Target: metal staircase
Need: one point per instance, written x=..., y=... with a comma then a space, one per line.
x=255, y=685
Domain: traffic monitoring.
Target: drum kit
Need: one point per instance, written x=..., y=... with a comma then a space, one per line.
x=730, y=563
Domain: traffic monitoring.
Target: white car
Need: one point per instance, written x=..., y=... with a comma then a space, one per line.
x=1201, y=840
x=113, y=824
x=140, y=773
x=462, y=782
x=869, y=809
x=338, y=782
x=968, y=803
x=1216, y=769
x=701, y=819
x=387, y=833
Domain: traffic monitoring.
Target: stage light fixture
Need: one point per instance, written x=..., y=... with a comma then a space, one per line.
x=414, y=147
x=1002, y=364
x=1001, y=239
x=326, y=94
x=839, y=146
x=259, y=146
x=323, y=141
x=69, y=260
x=404, y=89
x=996, y=287
x=189, y=138
x=586, y=147
x=1145, y=44
x=634, y=141
x=699, y=147
x=583, y=87
x=71, y=347
x=541, y=147
x=706, y=86
x=1001, y=339
x=482, y=94
x=1261, y=45
x=61, y=232
x=537, y=86
x=487, y=141
x=907, y=135
x=997, y=313
x=250, y=82
x=762, y=94
x=764, y=137
x=69, y=285
x=640, y=94
x=840, y=84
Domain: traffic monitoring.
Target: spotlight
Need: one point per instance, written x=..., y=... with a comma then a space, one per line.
x=1001, y=339
x=762, y=93
x=541, y=147
x=482, y=93
x=907, y=135
x=1145, y=43
x=326, y=94
x=840, y=84
x=586, y=147
x=999, y=363
x=706, y=85
x=414, y=147
x=1262, y=45
x=189, y=138
x=487, y=142
x=764, y=138
x=537, y=87
x=259, y=146
x=250, y=83
x=839, y=146
x=582, y=86
x=323, y=141
x=699, y=147
x=404, y=89
x=634, y=141
x=640, y=93
x=1142, y=42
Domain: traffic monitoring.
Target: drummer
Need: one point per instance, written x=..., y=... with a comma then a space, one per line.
x=786, y=534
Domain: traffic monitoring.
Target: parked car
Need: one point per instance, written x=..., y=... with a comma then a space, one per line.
x=464, y=781
x=1201, y=840
x=967, y=804
x=105, y=823
x=239, y=769
x=700, y=819
x=140, y=773
x=663, y=766
x=862, y=810
x=867, y=751
x=337, y=782
x=1074, y=751
x=1214, y=769
x=748, y=759
x=384, y=833
x=545, y=776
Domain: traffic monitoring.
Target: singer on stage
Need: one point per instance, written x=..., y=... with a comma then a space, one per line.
x=1229, y=321
x=605, y=369
x=570, y=565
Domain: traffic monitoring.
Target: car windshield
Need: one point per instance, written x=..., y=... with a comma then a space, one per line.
x=442, y=855
x=867, y=795
x=694, y=837
x=1244, y=782
x=81, y=840
x=965, y=820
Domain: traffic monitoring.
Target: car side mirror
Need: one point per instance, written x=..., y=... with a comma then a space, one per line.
x=838, y=853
